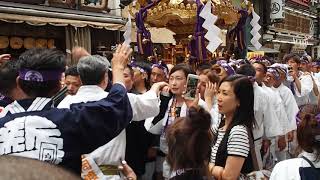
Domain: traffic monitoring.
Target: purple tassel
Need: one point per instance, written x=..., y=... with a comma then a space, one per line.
x=239, y=31
x=142, y=32
x=198, y=48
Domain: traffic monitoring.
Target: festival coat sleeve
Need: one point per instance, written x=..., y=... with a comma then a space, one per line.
x=292, y=110
x=144, y=105
x=271, y=121
x=101, y=121
x=306, y=86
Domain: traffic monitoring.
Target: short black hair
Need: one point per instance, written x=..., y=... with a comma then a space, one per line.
x=247, y=70
x=42, y=59
x=294, y=57
x=8, y=75
x=147, y=67
x=180, y=59
x=72, y=71
x=92, y=70
x=213, y=62
x=265, y=69
x=183, y=67
x=203, y=66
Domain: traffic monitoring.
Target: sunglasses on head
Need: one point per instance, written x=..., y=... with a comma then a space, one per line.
x=217, y=70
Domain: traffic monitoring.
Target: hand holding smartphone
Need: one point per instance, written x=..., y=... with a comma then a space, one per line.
x=192, y=83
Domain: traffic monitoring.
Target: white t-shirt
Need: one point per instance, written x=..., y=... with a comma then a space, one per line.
x=238, y=142
x=289, y=169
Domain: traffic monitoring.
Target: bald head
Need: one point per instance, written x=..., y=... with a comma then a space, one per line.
x=78, y=53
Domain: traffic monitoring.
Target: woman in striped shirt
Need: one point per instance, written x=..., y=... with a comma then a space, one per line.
x=231, y=150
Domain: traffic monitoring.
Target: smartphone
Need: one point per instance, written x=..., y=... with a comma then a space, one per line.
x=192, y=83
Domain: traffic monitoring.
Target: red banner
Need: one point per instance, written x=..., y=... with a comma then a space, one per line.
x=302, y=2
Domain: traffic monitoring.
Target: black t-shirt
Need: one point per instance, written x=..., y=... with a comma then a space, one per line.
x=138, y=141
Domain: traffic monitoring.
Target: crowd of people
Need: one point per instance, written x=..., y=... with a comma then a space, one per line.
x=122, y=119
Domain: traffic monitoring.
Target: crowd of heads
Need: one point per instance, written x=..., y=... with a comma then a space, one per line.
x=234, y=92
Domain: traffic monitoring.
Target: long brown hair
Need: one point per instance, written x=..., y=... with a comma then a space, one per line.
x=189, y=141
x=308, y=133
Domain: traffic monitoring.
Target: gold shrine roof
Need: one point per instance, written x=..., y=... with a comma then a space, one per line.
x=180, y=15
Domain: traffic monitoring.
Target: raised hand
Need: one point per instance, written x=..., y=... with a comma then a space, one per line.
x=157, y=87
x=193, y=103
x=4, y=58
x=119, y=62
x=121, y=56
x=209, y=93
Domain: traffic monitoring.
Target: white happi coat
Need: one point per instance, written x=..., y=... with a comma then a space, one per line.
x=290, y=106
x=265, y=115
x=302, y=98
x=313, y=98
x=278, y=106
x=143, y=106
x=156, y=128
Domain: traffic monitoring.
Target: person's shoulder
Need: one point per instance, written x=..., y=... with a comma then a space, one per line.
x=65, y=103
x=284, y=89
x=287, y=169
x=260, y=93
x=239, y=129
x=289, y=163
x=118, y=86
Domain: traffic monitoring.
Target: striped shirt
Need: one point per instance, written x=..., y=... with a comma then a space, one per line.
x=238, y=142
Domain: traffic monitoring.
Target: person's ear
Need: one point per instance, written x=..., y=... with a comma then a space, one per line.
x=17, y=83
x=145, y=76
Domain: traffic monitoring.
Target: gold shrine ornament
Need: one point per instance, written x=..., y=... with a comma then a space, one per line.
x=29, y=43
x=41, y=43
x=180, y=15
x=16, y=42
x=176, y=1
x=4, y=42
x=51, y=44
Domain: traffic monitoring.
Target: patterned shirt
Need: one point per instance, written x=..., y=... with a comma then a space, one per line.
x=238, y=142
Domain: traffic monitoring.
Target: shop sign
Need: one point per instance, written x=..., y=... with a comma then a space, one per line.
x=255, y=54
x=302, y=2
x=277, y=11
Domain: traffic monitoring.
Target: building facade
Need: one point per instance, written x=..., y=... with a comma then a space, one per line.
x=291, y=26
x=62, y=24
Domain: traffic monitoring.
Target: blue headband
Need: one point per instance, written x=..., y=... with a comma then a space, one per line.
x=39, y=75
x=163, y=67
x=230, y=71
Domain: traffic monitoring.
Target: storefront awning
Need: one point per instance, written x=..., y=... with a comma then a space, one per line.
x=264, y=49
x=44, y=15
x=42, y=21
